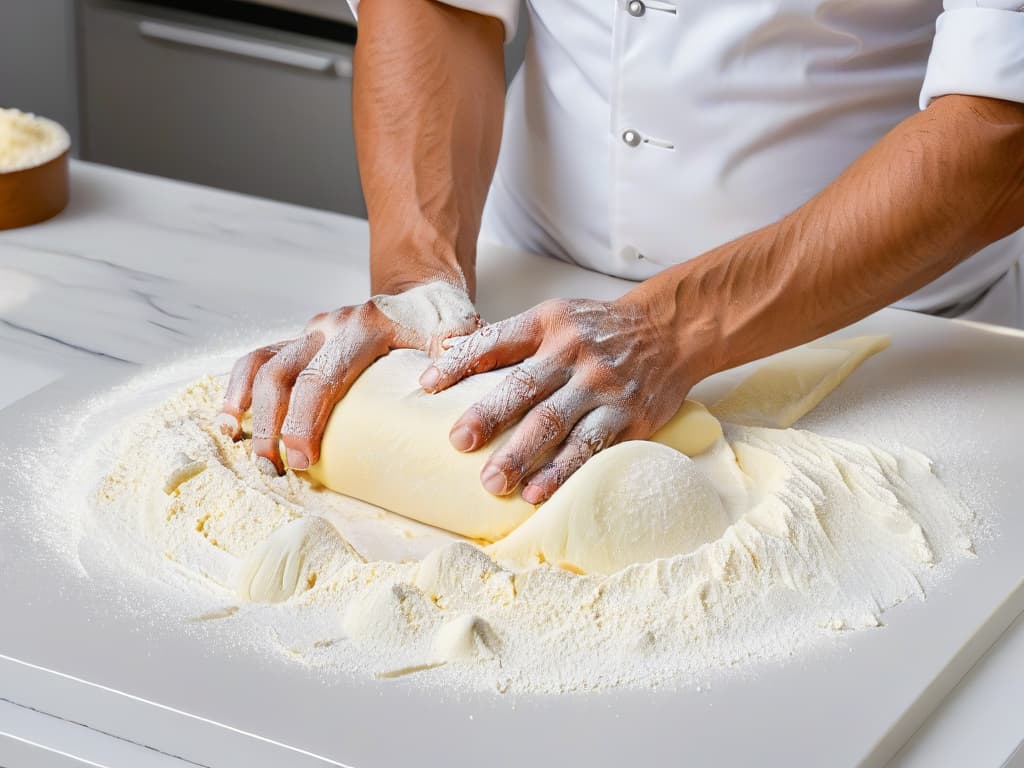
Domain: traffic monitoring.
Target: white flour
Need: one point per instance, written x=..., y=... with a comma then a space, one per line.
x=429, y=312
x=838, y=533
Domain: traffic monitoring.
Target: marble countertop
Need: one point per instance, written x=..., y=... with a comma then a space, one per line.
x=139, y=270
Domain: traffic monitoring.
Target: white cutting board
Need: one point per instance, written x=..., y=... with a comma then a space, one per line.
x=66, y=648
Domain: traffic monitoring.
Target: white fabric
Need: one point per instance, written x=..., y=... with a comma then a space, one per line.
x=744, y=110
x=977, y=51
x=1003, y=304
x=507, y=11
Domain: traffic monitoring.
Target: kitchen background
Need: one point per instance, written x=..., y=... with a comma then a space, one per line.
x=262, y=86
x=247, y=95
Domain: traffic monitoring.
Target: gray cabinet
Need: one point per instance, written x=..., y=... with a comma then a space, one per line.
x=218, y=102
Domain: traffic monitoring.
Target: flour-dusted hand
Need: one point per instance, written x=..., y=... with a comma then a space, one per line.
x=587, y=374
x=292, y=386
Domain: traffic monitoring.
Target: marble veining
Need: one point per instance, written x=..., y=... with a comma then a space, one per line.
x=138, y=269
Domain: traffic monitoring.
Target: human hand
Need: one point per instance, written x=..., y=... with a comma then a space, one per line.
x=587, y=375
x=292, y=386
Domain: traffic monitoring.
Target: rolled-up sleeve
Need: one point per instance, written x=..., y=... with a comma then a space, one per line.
x=506, y=11
x=978, y=51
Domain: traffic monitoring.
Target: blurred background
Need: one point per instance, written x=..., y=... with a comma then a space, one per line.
x=140, y=84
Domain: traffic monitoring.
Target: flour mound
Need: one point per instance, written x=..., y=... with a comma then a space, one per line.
x=823, y=536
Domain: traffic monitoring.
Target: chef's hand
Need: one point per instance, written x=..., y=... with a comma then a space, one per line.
x=293, y=386
x=587, y=375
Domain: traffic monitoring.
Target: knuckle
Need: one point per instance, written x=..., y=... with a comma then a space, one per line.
x=520, y=384
x=549, y=422
x=311, y=377
x=631, y=391
x=269, y=381
x=482, y=362
x=556, y=473
x=590, y=437
x=317, y=321
x=598, y=386
x=512, y=462
x=297, y=426
x=242, y=365
x=328, y=322
x=249, y=362
x=485, y=418
x=450, y=361
x=553, y=307
x=363, y=312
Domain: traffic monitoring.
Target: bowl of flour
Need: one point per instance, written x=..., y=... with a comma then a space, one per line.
x=33, y=168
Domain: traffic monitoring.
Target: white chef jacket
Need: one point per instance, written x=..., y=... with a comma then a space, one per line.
x=641, y=133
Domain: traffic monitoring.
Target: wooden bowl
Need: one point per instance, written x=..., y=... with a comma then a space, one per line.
x=35, y=194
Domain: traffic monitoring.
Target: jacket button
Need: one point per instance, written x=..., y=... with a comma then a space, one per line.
x=636, y=8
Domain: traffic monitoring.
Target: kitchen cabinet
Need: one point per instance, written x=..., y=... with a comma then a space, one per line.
x=220, y=102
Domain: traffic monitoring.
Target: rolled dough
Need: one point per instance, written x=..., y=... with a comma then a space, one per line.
x=386, y=443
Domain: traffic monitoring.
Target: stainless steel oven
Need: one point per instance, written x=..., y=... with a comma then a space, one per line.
x=254, y=97
x=337, y=10
x=249, y=95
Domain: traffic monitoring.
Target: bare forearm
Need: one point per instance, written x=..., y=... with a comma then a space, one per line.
x=942, y=185
x=428, y=101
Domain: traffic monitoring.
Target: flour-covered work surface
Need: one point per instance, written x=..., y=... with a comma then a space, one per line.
x=732, y=540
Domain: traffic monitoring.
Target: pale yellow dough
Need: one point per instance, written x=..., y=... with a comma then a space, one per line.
x=386, y=443
x=789, y=385
x=632, y=503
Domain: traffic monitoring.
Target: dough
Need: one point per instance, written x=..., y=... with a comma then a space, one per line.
x=386, y=443
x=691, y=431
x=789, y=385
x=632, y=503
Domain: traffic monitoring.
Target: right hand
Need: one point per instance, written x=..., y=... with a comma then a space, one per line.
x=292, y=386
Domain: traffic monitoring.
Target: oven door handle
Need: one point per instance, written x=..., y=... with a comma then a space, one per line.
x=247, y=47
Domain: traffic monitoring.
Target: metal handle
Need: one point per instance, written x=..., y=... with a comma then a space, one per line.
x=240, y=46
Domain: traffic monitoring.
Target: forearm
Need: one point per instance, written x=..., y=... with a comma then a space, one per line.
x=428, y=100
x=942, y=185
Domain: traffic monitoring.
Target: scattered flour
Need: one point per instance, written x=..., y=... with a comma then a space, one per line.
x=833, y=533
x=430, y=312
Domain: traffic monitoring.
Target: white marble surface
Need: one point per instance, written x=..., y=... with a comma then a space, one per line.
x=138, y=271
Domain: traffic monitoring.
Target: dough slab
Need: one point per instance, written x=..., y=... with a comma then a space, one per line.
x=386, y=443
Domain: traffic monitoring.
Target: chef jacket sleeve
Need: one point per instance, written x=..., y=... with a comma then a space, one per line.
x=506, y=11
x=978, y=51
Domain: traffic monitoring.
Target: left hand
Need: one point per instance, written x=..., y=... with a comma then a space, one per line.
x=588, y=374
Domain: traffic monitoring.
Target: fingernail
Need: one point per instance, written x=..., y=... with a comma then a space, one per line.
x=462, y=439
x=453, y=341
x=297, y=459
x=494, y=481
x=430, y=378
x=533, y=494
